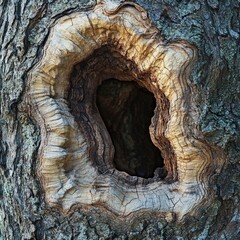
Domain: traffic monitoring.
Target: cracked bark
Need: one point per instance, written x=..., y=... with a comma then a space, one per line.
x=213, y=27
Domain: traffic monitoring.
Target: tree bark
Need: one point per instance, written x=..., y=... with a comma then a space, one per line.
x=213, y=27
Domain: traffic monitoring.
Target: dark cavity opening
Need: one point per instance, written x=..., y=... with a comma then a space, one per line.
x=127, y=109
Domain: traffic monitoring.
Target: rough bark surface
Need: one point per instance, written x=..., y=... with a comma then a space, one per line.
x=213, y=26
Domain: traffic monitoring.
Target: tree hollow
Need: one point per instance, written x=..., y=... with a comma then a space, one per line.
x=76, y=156
x=127, y=109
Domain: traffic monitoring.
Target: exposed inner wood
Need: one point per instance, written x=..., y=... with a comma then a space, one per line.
x=127, y=109
x=86, y=78
x=76, y=155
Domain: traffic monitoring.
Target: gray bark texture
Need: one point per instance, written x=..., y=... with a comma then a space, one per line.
x=214, y=27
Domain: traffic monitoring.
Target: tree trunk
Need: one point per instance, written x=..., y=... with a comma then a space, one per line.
x=210, y=95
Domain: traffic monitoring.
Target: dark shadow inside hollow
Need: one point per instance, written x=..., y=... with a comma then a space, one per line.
x=127, y=109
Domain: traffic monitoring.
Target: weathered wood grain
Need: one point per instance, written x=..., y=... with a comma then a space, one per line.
x=76, y=153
